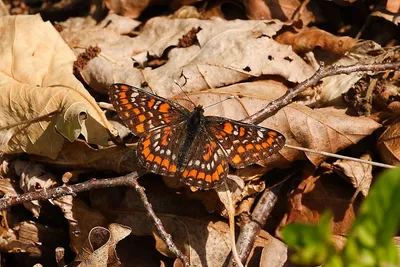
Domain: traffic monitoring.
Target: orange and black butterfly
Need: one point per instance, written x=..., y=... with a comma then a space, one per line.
x=175, y=141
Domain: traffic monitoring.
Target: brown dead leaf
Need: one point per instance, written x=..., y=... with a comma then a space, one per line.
x=282, y=10
x=81, y=220
x=314, y=195
x=389, y=12
x=388, y=144
x=80, y=155
x=34, y=178
x=359, y=174
x=228, y=52
x=37, y=80
x=308, y=39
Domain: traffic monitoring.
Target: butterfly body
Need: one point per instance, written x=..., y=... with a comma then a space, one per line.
x=177, y=142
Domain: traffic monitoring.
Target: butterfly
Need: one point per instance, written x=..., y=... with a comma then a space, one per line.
x=176, y=141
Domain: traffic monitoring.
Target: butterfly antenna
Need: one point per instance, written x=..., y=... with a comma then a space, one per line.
x=219, y=102
x=184, y=93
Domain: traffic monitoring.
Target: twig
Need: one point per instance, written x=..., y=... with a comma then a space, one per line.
x=64, y=190
x=313, y=80
x=341, y=157
x=250, y=230
x=126, y=180
x=159, y=226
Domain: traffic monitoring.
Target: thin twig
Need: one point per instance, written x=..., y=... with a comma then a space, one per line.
x=322, y=72
x=159, y=226
x=341, y=157
x=231, y=215
x=251, y=229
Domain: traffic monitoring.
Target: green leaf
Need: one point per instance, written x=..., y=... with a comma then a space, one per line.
x=313, y=243
x=370, y=240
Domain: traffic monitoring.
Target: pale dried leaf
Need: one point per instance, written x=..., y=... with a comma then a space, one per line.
x=3, y=9
x=34, y=178
x=101, y=243
x=274, y=254
x=7, y=188
x=227, y=52
x=38, y=84
x=359, y=174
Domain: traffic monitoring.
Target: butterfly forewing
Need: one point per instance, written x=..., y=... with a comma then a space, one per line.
x=157, y=150
x=142, y=110
x=206, y=166
x=243, y=143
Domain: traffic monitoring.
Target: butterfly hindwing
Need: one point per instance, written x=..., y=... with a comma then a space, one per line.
x=158, y=150
x=243, y=143
x=142, y=110
x=205, y=166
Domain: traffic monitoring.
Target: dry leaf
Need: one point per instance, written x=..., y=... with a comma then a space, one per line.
x=308, y=39
x=3, y=9
x=227, y=52
x=274, y=254
x=37, y=84
x=186, y=220
x=388, y=144
x=80, y=155
x=315, y=195
x=31, y=237
x=333, y=87
x=101, y=243
x=81, y=220
x=359, y=174
x=34, y=178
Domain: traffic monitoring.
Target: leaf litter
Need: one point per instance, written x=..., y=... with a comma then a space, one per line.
x=47, y=114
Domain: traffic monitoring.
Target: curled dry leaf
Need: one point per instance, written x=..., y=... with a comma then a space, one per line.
x=389, y=144
x=42, y=102
x=227, y=52
x=359, y=174
x=34, y=177
x=101, y=244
